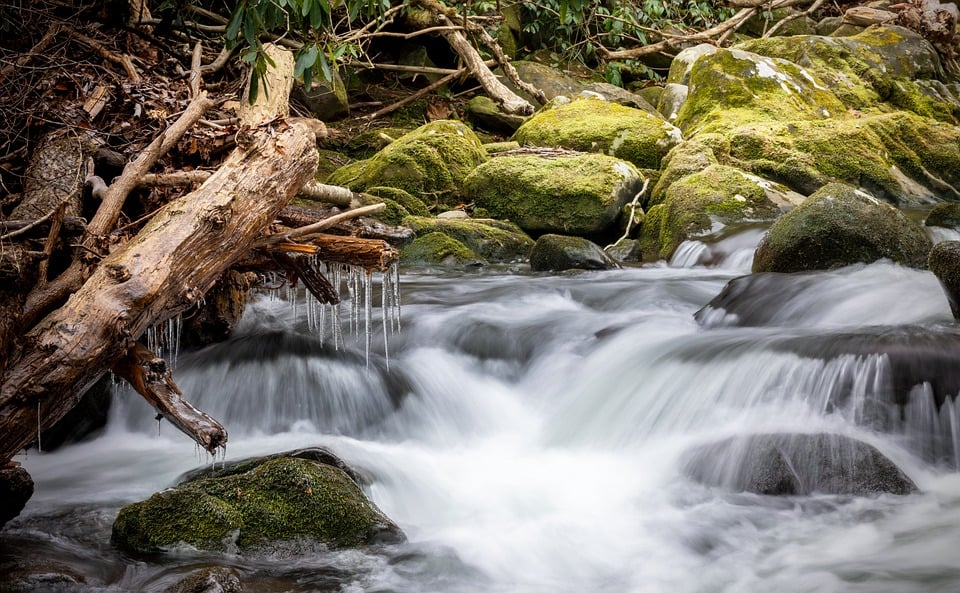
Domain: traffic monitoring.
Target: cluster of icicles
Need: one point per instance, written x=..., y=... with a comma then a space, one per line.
x=352, y=316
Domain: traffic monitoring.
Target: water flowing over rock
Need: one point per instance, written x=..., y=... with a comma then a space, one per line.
x=564, y=193
x=555, y=253
x=839, y=226
x=796, y=464
x=288, y=502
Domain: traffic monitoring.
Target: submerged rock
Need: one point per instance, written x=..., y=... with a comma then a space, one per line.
x=944, y=214
x=944, y=262
x=291, y=502
x=839, y=226
x=554, y=253
x=593, y=124
x=576, y=194
x=216, y=579
x=796, y=464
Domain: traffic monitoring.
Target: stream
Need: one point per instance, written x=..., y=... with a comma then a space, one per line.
x=526, y=431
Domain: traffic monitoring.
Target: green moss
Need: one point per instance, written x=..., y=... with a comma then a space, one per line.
x=592, y=125
x=650, y=232
x=718, y=193
x=571, y=195
x=280, y=500
x=429, y=162
x=369, y=142
x=682, y=160
x=944, y=214
x=492, y=240
x=329, y=162
x=729, y=87
x=409, y=203
x=436, y=249
x=866, y=152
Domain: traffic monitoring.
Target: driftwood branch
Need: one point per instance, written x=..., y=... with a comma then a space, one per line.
x=311, y=190
x=72, y=225
x=414, y=96
x=308, y=231
x=123, y=60
x=152, y=378
x=195, y=63
x=367, y=253
x=672, y=41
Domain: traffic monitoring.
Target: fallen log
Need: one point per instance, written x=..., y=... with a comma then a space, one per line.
x=164, y=270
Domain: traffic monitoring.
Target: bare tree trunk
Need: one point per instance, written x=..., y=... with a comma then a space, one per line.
x=165, y=269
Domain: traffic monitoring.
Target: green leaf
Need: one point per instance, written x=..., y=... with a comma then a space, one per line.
x=305, y=60
x=325, y=67
x=233, y=27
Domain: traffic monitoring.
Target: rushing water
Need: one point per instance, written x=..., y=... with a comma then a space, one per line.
x=528, y=432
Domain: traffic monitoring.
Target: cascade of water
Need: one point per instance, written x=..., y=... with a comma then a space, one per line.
x=367, y=313
x=932, y=432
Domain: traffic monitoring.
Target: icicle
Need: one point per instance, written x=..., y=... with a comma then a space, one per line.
x=367, y=312
x=39, y=444
x=385, y=315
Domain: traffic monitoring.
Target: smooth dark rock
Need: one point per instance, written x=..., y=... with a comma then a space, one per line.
x=209, y=580
x=554, y=253
x=944, y=214
x=944, y=262
x=796, y=464
x=16, y=488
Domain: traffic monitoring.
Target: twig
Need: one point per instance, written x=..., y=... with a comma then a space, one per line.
x=52, y=237
x=221, y=61
x=413, y=97
x=304, y=232
x=124, y=60
x=27, y=228
x=195, y=64
x=37, y=49
x=633, y=213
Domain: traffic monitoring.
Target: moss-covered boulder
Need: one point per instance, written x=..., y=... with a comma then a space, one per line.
x=794, y=464
x=553, y=82
x=731, y=86
x=649, y=239
x=682, y=64
x=493, y=240
x=282, y=501
x=944, y=262
x=409, y=203
x=439, y=249
x=429, y=163
x=838, y=226
x=944, y=214
x=683, y=159
x=886, y=64
x=555, y=253
x=596, y=125
x=484, y=113
x=697, y=203
x=578, y=194
x=899, y=157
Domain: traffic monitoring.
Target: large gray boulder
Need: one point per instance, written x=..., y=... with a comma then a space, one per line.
x=838, y=226
x=944, y=262
x=796, y=464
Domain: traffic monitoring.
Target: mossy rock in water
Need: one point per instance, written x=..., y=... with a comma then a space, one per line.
x=369, y=142
x=555, y=253
x=683, y=159
x=839, y=226
x=649, y=238
x=409, y=203
x=439, y=249
x=877, y=66
x=429, y=163
x=593, y=124
x=718, y=194
x=571, y=195
x=493, y=240
x=730, y=87
x=944, y=262
x=899, y=157
x=794, y=464
x=944, y=214
x=283, y=501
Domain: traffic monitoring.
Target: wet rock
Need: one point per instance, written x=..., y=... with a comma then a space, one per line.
x=485, y=113
x=796, y=464
x=839, y=226
x=944, y=214
x=439, y=249
x=574, y=194
x=429, y=163
x=16, y=488
x=593, y=124
x=221, y=309
x=291, y=502
x=491, y=240
x=209, y=580
x=555, y=253
x=944, y=262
